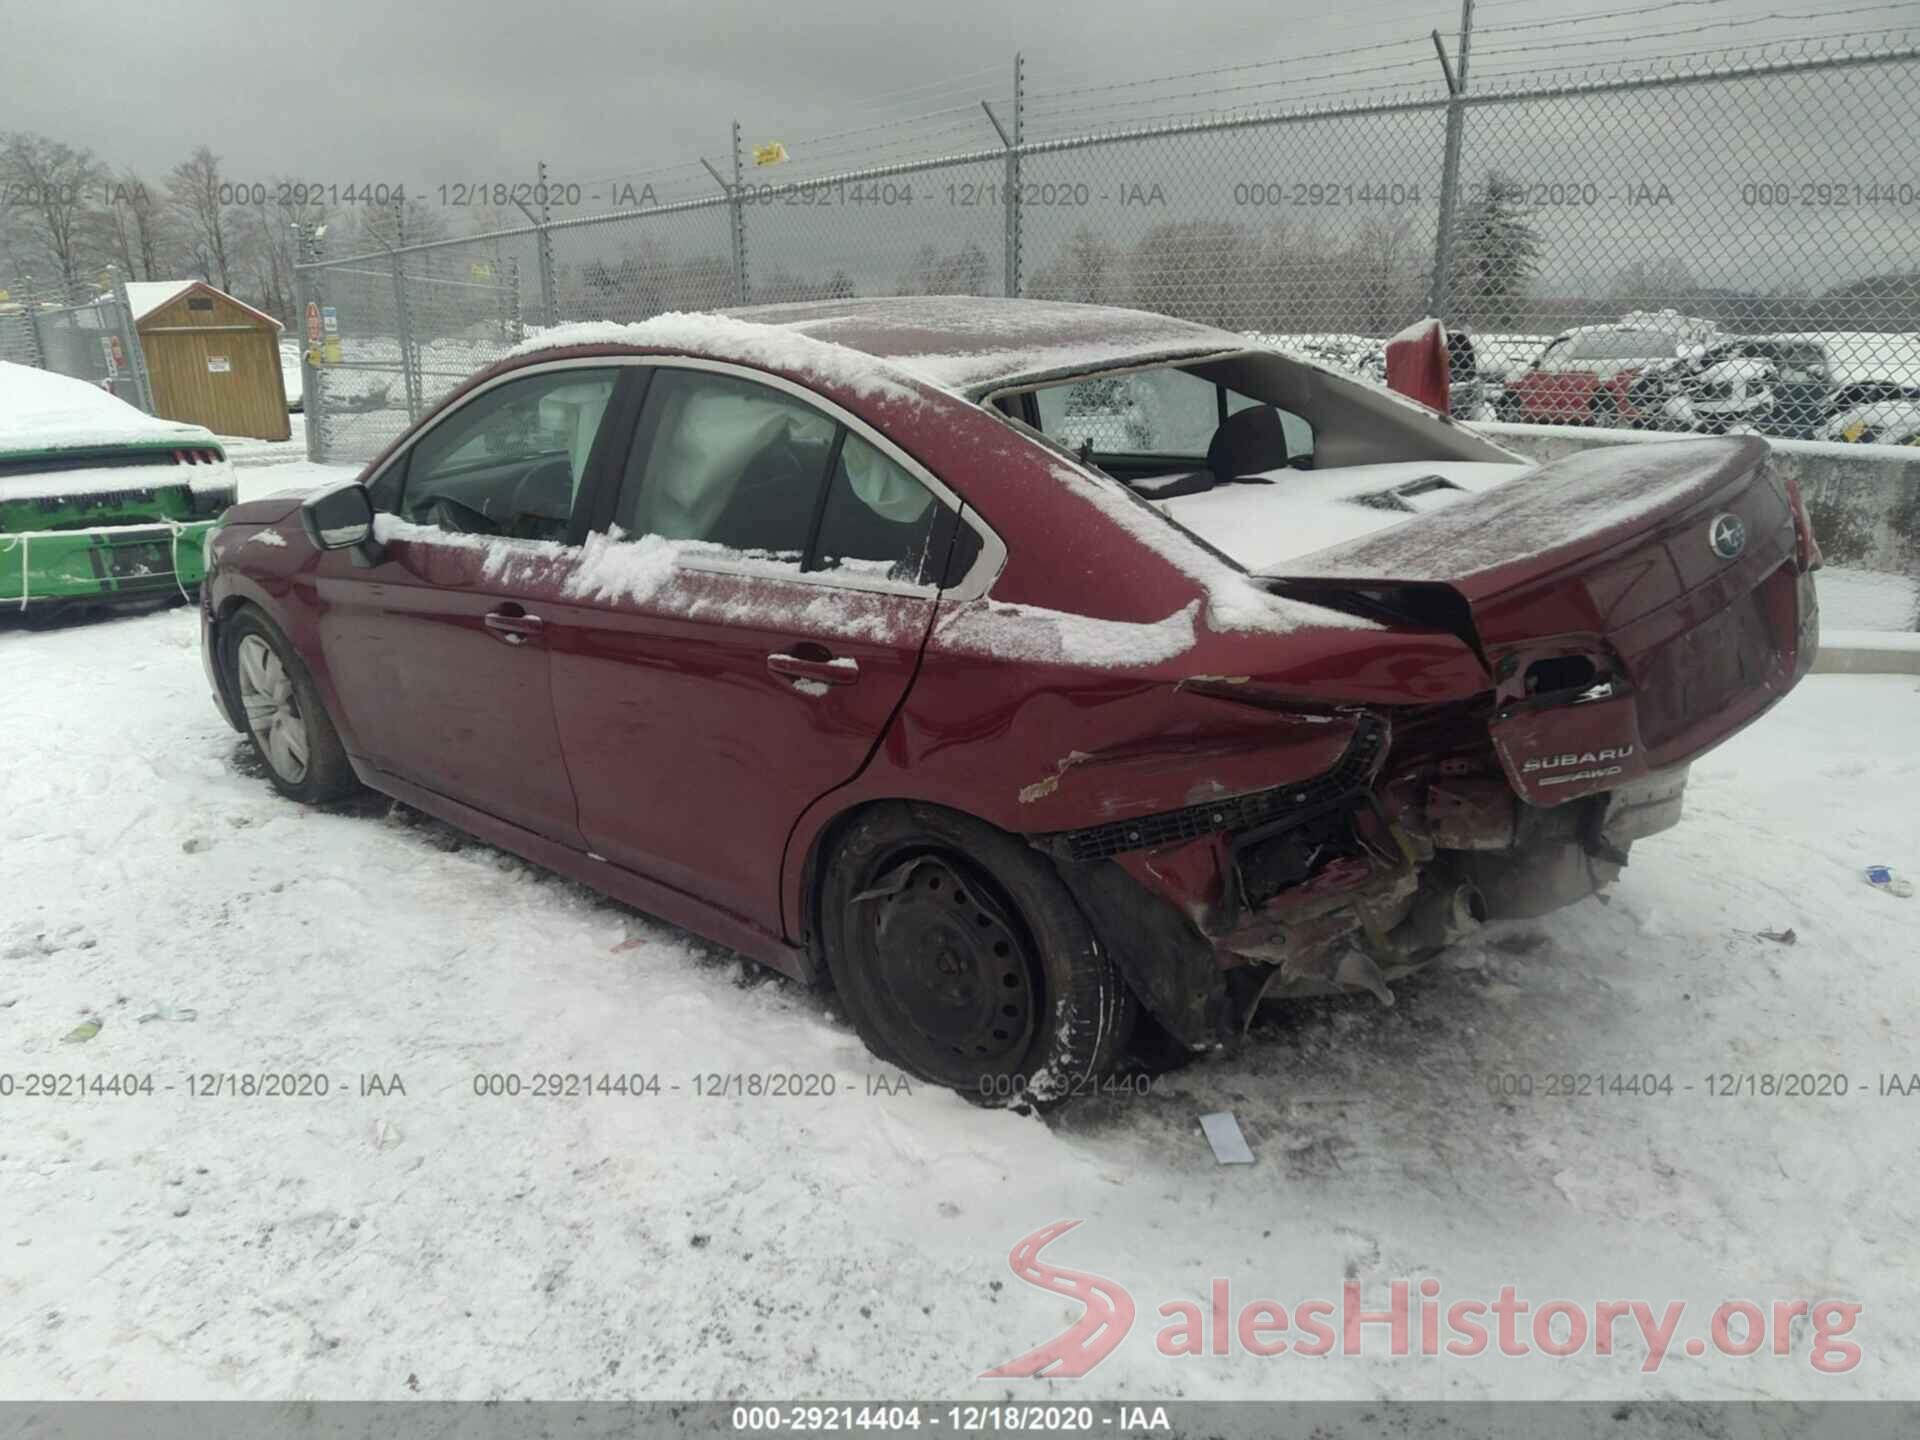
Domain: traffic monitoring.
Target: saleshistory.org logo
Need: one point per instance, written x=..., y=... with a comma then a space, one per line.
x=1506, y=1325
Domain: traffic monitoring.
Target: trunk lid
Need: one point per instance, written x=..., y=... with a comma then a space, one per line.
x=1634, y=605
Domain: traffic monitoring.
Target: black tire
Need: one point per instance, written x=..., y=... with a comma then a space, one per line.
x=1605, y=409
x=326, y=775
x=961, y=957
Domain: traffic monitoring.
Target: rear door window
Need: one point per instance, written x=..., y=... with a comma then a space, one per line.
x=728, y=461
x=760, y=472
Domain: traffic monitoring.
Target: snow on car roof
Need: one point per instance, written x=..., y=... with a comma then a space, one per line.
x=726, y=337
x=966, y=343
x=40, y=410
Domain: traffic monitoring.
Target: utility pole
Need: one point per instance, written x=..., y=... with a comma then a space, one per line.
x=1440, y=292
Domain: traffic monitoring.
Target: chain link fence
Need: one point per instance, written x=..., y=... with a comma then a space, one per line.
x=1713, y=243
x=92, y=339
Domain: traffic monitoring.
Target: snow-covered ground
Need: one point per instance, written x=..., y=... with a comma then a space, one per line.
x=676, y=1244
x=186, y=1244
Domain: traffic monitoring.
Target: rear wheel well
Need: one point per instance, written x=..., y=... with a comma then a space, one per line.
x=960, y=954
x=813, y=872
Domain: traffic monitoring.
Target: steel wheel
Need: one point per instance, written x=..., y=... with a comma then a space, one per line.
x=273, y=709
x=961, y=957
x=958, y=981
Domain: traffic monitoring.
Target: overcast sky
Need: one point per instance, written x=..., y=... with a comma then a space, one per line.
x=424, y=92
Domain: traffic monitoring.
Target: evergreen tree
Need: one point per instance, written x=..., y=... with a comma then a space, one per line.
x=1496, y=254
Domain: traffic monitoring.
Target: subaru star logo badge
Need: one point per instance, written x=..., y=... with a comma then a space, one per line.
x=1728, y=536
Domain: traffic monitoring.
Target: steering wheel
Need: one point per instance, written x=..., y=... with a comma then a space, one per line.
x=459, y=517
x=543, y=501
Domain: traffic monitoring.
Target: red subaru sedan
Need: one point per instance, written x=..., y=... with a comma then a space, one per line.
x=1028, y=671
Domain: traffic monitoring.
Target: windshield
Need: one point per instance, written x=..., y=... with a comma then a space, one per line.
x=1620, y=345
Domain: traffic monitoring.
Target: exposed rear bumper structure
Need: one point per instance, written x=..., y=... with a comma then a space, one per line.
x=1608, y=675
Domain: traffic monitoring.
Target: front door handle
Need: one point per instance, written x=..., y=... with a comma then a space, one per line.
x=842, y=671
x=514, y=627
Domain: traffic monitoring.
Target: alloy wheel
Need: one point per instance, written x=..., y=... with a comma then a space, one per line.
x=273, y=709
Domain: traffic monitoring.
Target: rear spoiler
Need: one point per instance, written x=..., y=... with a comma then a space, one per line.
x=1417, y=364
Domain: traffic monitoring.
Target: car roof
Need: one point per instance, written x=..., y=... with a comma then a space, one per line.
x=975, y=344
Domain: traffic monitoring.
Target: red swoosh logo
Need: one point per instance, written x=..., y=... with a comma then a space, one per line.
x=1091, y=1338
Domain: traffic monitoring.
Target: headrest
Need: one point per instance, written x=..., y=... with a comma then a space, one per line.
x=1248, y=442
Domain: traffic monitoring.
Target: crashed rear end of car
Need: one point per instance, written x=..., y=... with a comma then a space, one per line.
x=1543, y=663
x=108, y=524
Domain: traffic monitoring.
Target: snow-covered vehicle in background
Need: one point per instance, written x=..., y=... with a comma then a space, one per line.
x=1586, y=375
x=1761, y=384
x=1874, y=413
x=1020, y=666
x=99, y=503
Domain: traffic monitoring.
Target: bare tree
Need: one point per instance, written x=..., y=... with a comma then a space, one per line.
x=54, y=189
x=388, y=227
x=269, y=234
x=146, y=216
x=1086, y=268
x=196, y=190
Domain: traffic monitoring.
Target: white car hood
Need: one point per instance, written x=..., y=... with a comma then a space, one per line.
x=1263, y=526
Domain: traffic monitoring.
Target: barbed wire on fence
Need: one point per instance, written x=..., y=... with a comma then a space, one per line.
x=1761, y=191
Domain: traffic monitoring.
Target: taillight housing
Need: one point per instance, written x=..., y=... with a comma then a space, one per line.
x=1806, y=549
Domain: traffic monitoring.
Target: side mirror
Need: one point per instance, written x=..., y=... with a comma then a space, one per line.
x=340, y=519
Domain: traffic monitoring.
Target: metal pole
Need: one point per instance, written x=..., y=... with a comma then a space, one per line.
x=403, y=324
x=516, y=329
x=313, y=384
x=130, y=334
x=1013, y=172
x=1440, y=292
x=549, y=292
x=30, y=307
x=736, y=203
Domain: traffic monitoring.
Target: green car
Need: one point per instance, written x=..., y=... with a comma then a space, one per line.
x=100, y=503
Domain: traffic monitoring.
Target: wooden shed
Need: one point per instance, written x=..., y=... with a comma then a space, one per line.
x=212, y=360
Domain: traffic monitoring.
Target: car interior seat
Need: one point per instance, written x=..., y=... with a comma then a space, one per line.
x=1247, y=444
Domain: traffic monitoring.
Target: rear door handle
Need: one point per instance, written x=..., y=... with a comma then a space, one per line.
x=840, y=671
x=513, y=629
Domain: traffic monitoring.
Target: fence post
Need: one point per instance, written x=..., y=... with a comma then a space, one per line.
x=313, y=385
x=130, y=337
x=1013, y=172
x=736, y=202
x=516, y=326
x=403, y=324
x=1440, y=292
x=549, y=292
x=30, y=310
